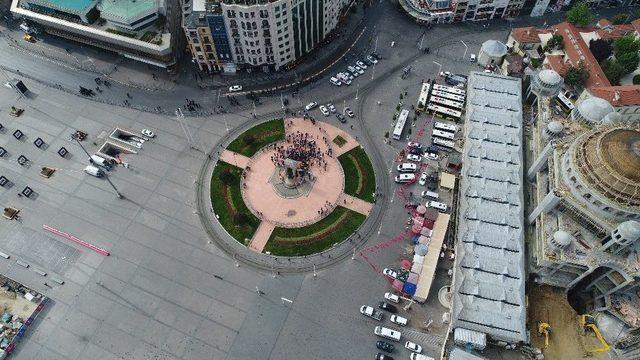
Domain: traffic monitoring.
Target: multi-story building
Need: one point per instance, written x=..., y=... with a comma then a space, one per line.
x=264, y=35
x=137, y=29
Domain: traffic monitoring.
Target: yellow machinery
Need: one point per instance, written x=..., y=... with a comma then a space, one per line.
x=588, y=322
x=544, y=329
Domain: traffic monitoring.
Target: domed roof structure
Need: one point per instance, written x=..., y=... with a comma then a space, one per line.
x=630, y=230
x=612, y=118
x=555, y=127
x=594, y=109
x=609, y=160
x=562, y=238
x=494, y=48
x=550, y=77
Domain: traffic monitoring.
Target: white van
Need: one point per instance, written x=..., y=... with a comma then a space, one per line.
x=92, y=170
x=416, y=356
x=437, y=205
x=99, y=160
x=472, y=58
x=407, y=167
x=405, y=178
x=430, y=195
x=387, y=333
x=335, y=81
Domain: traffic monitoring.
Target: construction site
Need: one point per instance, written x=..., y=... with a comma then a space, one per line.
x=584, y=212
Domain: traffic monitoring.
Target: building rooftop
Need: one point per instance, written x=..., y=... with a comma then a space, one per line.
x=528, y=35
x=489, y=277
x=71, y=6
x=126, y=10
x=623, y=95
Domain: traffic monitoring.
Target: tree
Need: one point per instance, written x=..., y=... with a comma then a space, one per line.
x=626, y=44
x=555, y=43
x=576, y=76
x=620, y=19
x=613, y=71
x=628, y=61
x=601, y=49
x=240, y=218
x=580, y=15
x=636, y=80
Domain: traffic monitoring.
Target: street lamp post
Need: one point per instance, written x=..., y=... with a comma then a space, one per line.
x=466, y=48
x=439, y=66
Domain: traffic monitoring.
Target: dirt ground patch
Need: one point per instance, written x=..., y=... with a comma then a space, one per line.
x=550, y=305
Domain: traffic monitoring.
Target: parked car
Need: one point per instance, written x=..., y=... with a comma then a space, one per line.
x=148, y=133
x=388, y=307
x=331, y=108
x=390, y=273
x=423, y=179
x=432, y=156
x=372, y=59
x=349, y=112
x=335, y=81
x=311, y=105
x=341, y=118
x=405, y=178
x=399, y=320
x=361, y=64
x=370, y=312
x=413, y=347
x=407, y=167
x=359, y=69
x=384, y=346
x=381, y=356
x=324, y=110
x=235, y=88
x=414, y=157
x=392, y=297
x=415, y=151
x=353, y=71
x=412, y=145
x=472, y=58
x=416, y=356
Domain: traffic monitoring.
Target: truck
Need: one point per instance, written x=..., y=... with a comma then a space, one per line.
x=371, y=312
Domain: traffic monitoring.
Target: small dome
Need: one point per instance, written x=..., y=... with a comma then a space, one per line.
x=555, y=127
x=594, y=109
x=562, y=238
x=550, y=77
x=612, y=118
x=494, y=48
x=629, y=230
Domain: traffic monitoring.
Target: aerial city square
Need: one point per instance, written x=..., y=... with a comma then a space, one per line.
x=320, y=179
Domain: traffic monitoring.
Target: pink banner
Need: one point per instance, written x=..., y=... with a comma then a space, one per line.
x=76, y=240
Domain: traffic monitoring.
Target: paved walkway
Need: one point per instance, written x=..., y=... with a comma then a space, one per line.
x=351, y=142
x=234, y=158
x=355, y=204
x=261, y=236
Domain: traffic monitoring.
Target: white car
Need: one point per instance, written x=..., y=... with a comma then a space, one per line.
x=370, y=312
x=349, y=112
x=423, y=179
x=412, y=144
x=324, y=110
x=361, y=64
x=392, y=297
x=331, y=108
x=353, y=71
x=235, y=88
x=414, y=157
x=413, y=347
x=148, y=133
x=311, y=105
x=359, y=69
x=416, y=356
x=372, y=59
x=398, y=320
x=390, y=273
x=445, y=73
x=432, y=156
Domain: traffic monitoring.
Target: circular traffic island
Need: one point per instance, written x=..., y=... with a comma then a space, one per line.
x=292, y=187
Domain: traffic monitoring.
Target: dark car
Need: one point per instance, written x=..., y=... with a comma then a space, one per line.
x=388, y=307
x=341, y=118
x=384, y=346
x=415, y=151
x=432, y=182
x=382, y=356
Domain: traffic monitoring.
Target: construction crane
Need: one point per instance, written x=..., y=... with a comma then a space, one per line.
x=587, y=322
x=544, y=329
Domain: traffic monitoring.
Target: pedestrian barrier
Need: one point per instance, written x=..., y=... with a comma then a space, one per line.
x=76, y=240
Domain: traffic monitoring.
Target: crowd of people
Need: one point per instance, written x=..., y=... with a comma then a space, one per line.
x=301, y=147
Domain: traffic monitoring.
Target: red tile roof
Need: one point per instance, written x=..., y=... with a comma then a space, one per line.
x=624, y=95
x=578, y=52
x=606, y=30
x=528, y=35
x=556, y=63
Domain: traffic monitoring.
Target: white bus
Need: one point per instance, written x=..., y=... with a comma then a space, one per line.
x=442, y=134
x=402, y=119
x=445, y=127
x=448, y=95
x=446, y=145
x=447, y=112
x=449, y=89
x=424, y=94
x=446, y=102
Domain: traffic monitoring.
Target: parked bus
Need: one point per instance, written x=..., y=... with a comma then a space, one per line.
x=424, y=95
x=450, y=89
x=446, y=102
x=446, y=145
x=402, y=120
x=442, y=134
x=445, y=127
x=445, y=111
x=448, y=95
